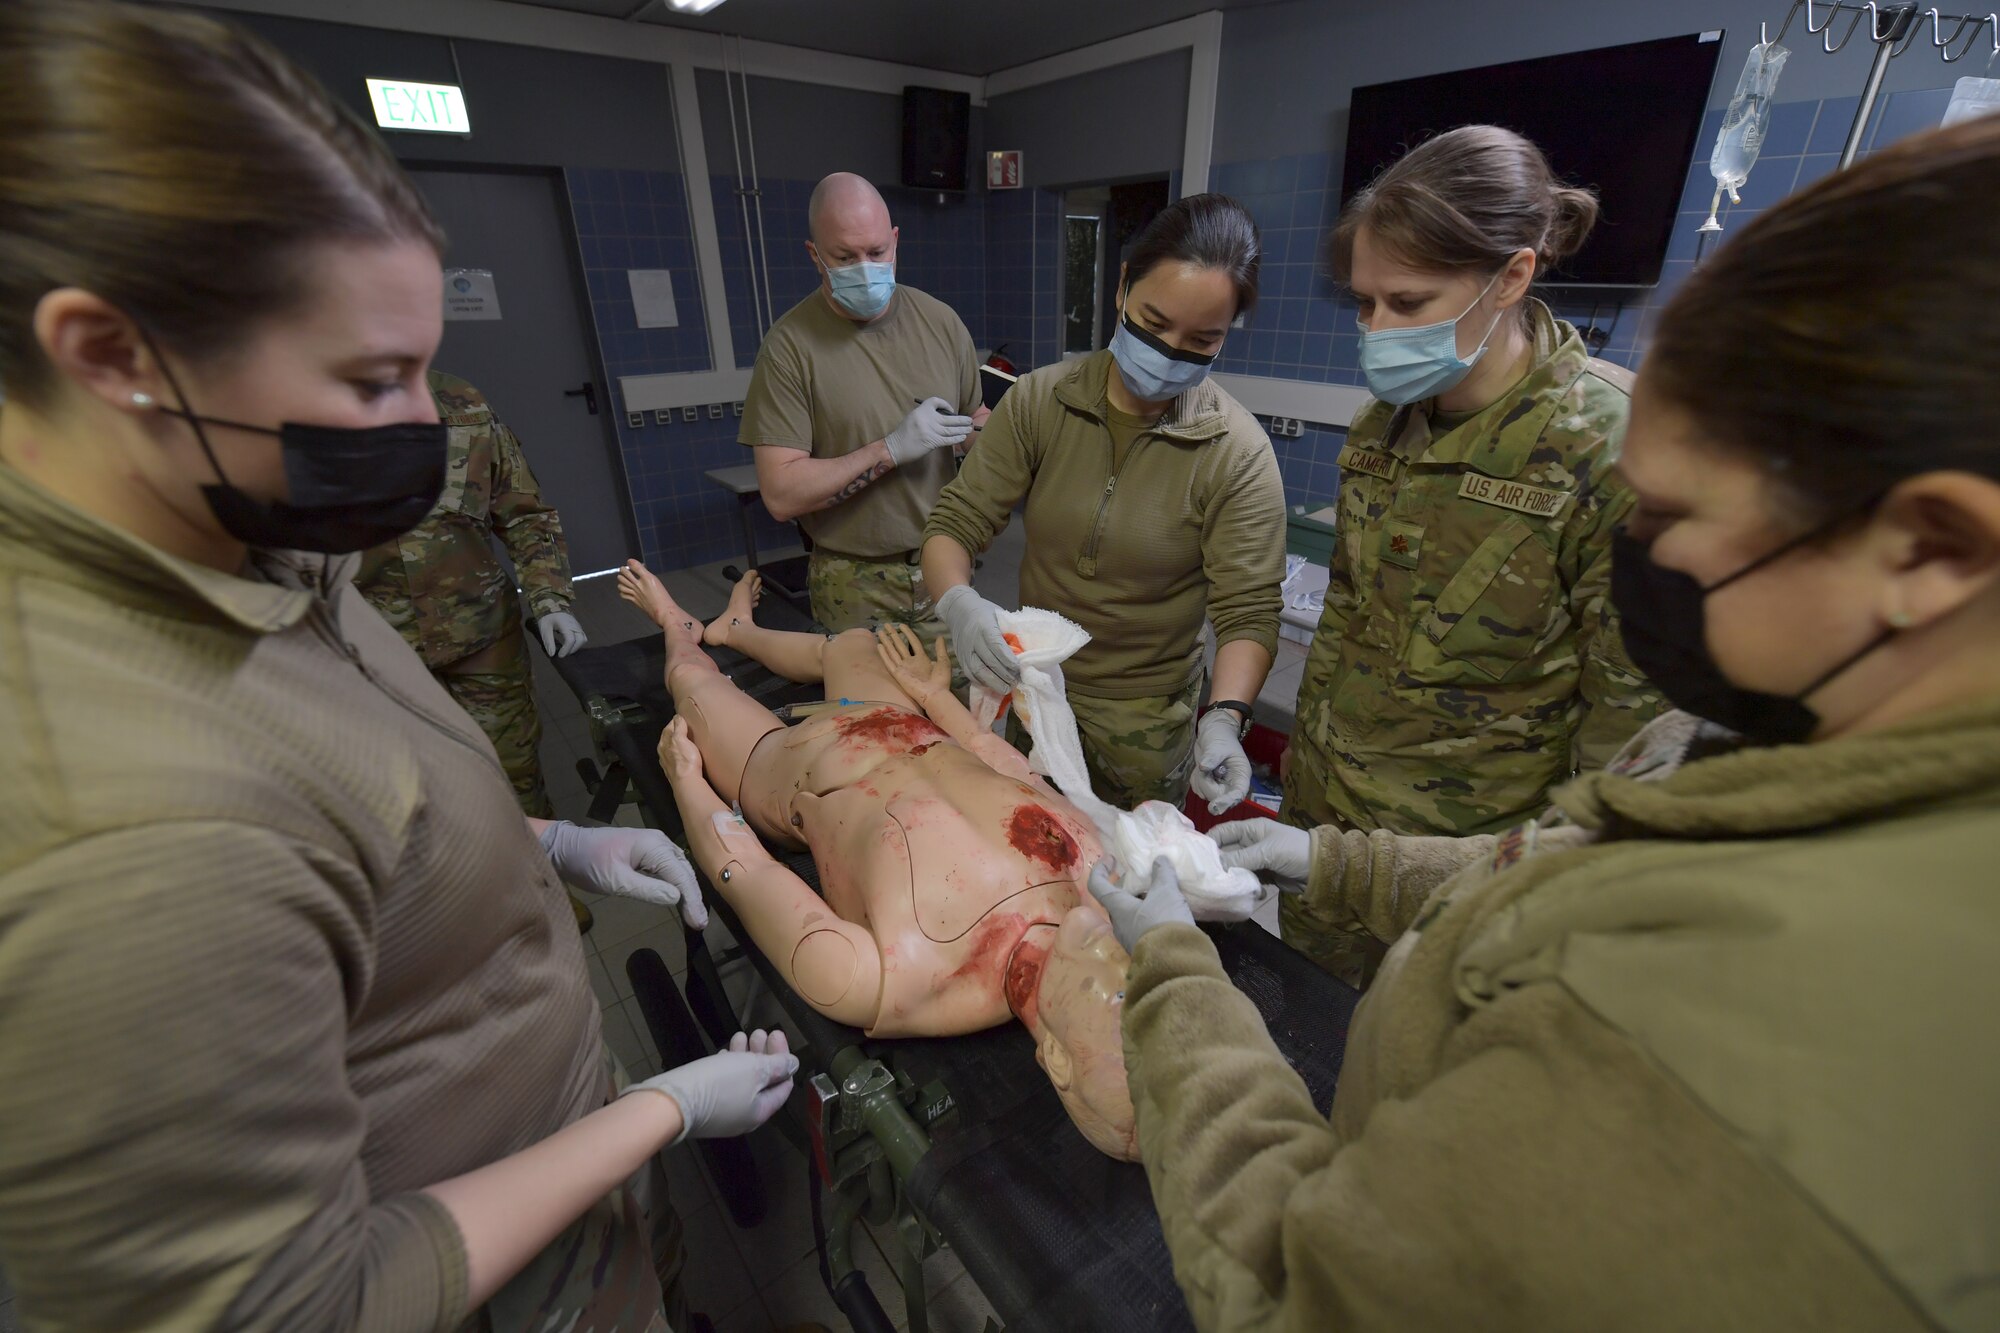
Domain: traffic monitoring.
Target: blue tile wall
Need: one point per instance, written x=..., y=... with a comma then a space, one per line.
x=995, y=258
x=631, y=219
x=1303, y=329
x=1024, y=275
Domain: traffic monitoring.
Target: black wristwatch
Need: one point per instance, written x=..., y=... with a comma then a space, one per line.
x=1238, y=707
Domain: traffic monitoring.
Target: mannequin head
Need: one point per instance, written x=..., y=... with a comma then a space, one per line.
x=1075, y=1015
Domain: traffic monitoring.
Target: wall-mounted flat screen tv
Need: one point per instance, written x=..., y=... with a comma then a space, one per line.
x=1620, y=119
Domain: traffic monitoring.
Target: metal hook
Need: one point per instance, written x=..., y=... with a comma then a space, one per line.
x=1944, y=47
x=1897, y=48
x=1765, y=38
x=1832, y=47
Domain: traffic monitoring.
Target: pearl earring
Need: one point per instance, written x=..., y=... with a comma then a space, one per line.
x=142, y=400
x=1899, y=620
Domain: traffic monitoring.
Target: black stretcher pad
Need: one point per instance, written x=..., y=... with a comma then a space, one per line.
x=1057, y=1235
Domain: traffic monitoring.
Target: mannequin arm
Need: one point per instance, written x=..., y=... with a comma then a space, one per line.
x=835, y=964
x=927, y=681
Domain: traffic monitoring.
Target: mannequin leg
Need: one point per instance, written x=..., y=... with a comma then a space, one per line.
x=725, y=722
x=848, y=662
x=791, y=654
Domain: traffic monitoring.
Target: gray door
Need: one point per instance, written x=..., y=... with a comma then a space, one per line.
x=516, y=224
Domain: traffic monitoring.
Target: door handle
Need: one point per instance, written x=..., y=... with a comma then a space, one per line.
x=587, y=392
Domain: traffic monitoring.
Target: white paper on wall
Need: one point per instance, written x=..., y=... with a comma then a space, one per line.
x=469, y=294
x=653, y=297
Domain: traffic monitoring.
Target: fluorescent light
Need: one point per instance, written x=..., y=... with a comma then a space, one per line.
x=692, y=6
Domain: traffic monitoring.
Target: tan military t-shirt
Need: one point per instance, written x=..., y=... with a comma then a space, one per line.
x=826, y=384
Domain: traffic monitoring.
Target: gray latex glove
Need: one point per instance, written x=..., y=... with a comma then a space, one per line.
x=1277, y=853
x=561, y=635
x=1221, y=769
x=640, y=863
x=1132, y=917
x=976, y=638
x=932, y=424
x=731, y=1092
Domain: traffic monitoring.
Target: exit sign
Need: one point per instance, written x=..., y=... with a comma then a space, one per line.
x=432, y=108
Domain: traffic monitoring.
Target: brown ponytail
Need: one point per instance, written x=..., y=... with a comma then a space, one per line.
x=1467, y=200
x=1575, y=215
x=175, y=166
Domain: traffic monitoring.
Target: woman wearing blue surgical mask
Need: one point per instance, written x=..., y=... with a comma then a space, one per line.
x=1153, y=501
x=1468, y=659
x=295, y=1027
x=1713, y=1050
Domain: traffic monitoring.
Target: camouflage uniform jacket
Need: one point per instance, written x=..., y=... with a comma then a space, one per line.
x=1468, y=658
x=440, y=584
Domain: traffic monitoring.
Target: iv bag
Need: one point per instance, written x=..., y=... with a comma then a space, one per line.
x=1747, y=120
x=1972, y=97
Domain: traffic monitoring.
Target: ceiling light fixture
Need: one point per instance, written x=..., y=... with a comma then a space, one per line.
x=692, y=6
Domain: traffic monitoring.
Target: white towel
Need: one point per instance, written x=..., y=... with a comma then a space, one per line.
x=1044, y=640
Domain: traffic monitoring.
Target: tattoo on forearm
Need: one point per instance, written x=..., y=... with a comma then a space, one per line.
x=855, y=487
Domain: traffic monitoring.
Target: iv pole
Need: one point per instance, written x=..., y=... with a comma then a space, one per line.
x=1893, y=28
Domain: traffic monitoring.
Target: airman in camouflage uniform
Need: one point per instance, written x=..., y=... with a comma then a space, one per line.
x=443, y=588
x=1124, y=741
x=1468, y=659
x=850, y=593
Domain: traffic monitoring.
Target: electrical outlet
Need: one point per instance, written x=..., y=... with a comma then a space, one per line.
x=715, y=411
x=635, y=419
x=690, y=413
x=663, y=416
x=739, y=409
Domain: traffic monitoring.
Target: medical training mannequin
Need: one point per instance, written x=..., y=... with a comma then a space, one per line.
x=952, y=875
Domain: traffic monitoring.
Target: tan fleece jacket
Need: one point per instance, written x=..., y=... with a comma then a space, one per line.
x=1190, y=522
x=1732, y=1066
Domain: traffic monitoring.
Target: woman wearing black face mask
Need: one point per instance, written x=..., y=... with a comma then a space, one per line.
x=295, y=1030
x=1713, y=1050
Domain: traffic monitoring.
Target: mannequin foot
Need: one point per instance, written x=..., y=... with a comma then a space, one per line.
x=641, y=587
x=743, y=599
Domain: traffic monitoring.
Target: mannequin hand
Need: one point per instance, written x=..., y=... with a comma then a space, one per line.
x=976, y=638
x=1132, y=917
x=640, y=863
x=679, y=755
x=1276, y=852
x=931, y=425
x=561, y=635
x=731, y=1092
x=903, y=653
x=1221, y=769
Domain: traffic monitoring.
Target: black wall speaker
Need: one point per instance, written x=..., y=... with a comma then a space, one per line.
x=936, y=124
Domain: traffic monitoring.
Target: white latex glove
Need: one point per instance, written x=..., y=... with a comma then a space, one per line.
x=1221, y=769
x=1273, y=851
x=561, y=635
x=731, y=1092
x=640, y=863
x=977, y=640
x=931, y=425
x=1132, y=917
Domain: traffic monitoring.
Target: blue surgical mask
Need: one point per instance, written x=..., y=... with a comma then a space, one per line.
x=863, y=290
x=1410, y=365
x=1152, y=370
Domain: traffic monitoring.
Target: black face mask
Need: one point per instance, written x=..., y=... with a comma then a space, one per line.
x=1665, y=633
x=350, y=488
